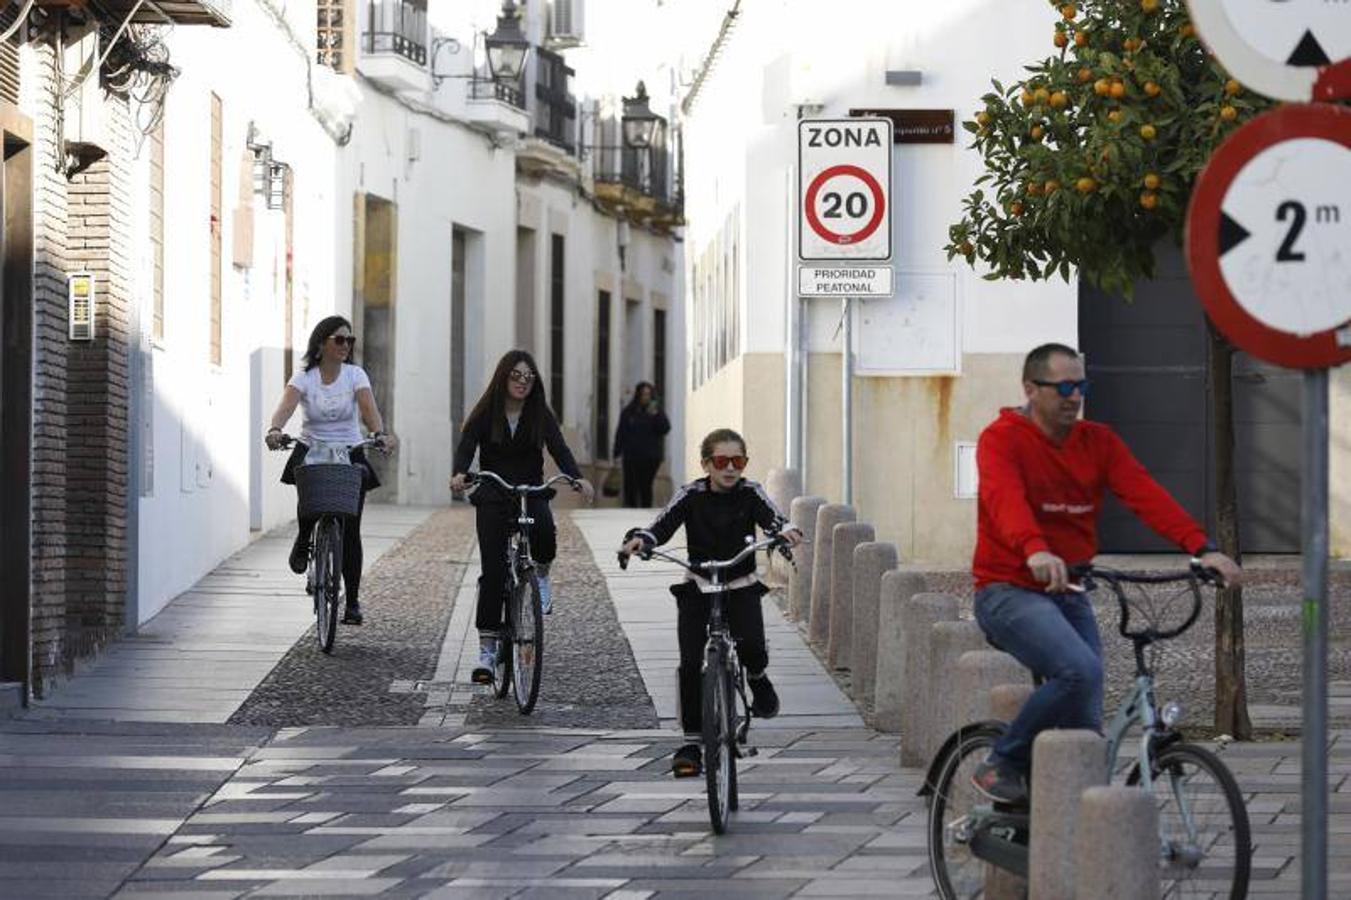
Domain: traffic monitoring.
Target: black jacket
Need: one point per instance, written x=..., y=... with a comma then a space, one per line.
x=716, y=524
x=518, y=460
x=639, y=435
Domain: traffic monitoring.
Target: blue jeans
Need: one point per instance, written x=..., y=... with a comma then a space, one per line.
x=1056, y=636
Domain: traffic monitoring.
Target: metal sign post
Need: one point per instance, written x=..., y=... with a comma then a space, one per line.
x=844, y=217
x=1314, y=509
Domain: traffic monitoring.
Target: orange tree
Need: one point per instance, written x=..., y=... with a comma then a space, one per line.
x=1090, y=160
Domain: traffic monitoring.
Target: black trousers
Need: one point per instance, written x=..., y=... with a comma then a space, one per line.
x=638, y=477
x=747, y=624
x=351, y=547
x=495, y=521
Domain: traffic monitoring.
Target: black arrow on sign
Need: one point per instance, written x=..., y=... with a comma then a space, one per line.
x=1308, y=52
x=1231, y=234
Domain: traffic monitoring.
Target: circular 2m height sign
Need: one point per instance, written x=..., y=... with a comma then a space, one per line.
x=844, y=197
x=1269, y=236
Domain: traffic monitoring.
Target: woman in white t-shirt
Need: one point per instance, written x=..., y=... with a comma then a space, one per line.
x=336, y=398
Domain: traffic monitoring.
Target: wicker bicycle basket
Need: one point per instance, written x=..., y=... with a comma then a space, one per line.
x=329, y=489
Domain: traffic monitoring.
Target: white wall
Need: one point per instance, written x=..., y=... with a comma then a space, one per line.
x=207, y=419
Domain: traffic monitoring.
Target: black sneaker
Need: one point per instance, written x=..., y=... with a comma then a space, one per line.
x=351, y=614
x=300, y=557
x=764, y=699
x=1001, y=784
x=687, y=762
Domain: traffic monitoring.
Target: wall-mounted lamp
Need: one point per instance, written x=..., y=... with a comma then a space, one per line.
x=639, y=121
x=507, y=49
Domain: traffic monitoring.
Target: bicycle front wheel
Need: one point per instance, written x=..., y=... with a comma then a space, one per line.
x=527, y=643
x=327, y=580
x=957, y=871
x=1203, y=824
x=719, y=766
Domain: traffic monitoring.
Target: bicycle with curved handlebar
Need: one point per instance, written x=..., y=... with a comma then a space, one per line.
x=723, y=679
x=329, y=486
x=1204, y=840
x=521, y=670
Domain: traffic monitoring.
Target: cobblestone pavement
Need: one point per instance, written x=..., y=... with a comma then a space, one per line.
x=406, y=597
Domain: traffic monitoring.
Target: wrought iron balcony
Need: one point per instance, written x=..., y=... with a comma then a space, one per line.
x=485, y=88
x=398, y=27
x=555, y=112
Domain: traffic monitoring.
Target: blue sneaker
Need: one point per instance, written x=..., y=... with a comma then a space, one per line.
x=485, y=671
x=546, y=595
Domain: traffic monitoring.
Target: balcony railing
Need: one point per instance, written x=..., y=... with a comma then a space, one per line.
x=398, y=27
x=484, y=88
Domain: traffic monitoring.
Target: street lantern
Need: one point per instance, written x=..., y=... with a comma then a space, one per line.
x=507, y=46
x=639, y=121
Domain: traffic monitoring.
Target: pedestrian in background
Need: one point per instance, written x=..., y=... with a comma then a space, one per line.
x=638, y=442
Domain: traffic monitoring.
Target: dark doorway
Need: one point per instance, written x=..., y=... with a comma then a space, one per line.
x=16, y=376
x=1148, y=361
x=459, y=249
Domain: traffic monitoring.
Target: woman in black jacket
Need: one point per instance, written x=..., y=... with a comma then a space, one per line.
x=509, y=427
x=638, y=441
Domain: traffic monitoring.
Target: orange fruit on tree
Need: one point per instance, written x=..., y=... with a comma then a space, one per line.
x=1027, y=97
x=1085, y=75
x=1228, y=113
x=1152, y=89
x=1232, y=87
x=1081, y=39
x=1060, y=39
x=1152, y=181
x=1085, y=185
x=982, y=118
x=1016, y=207
x=965, y=248
x=1051, y=186
x=1149, y=6
x=1186, y=30
x=1102, y=87
x=1034, y=189
x=1059, y=100
x=1069, y=11
x=1130, y=44
x=1118, y=90
x=1037, y=132
x=1148, y=132
x=1114, y=116
x=1149, y=199
x=1043, y=96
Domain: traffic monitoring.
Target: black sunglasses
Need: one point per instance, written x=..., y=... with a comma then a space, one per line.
x=340, y=339
x=1066, y=388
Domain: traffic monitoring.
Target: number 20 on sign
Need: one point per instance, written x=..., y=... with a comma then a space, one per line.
x=844, y=197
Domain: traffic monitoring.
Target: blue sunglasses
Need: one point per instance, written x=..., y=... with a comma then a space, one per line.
x=1065, y=389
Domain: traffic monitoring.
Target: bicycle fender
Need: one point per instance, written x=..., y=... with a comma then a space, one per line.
x=931, y=776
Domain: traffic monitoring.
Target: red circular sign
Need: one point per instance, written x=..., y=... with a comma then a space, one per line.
x=879, y=205
x=1205, y=222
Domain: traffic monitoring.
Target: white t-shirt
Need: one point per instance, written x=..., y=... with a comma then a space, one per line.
x=330, y=410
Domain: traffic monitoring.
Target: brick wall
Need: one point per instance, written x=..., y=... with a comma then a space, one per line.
x=49, y=375
x=81, y=393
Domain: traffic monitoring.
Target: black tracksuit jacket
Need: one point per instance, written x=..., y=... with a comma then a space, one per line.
x=717, y=525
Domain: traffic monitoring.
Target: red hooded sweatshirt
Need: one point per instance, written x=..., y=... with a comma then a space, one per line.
x=1038, y=495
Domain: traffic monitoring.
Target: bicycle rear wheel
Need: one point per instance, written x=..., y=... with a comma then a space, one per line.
x=327, y=580
x=1203, y=824
x=527, y=644
x=957, y=872
x=719, y=766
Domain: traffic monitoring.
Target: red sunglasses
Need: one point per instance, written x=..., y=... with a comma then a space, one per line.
x=722, y=462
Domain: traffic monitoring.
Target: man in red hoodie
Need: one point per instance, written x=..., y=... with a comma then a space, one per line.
x=1043, y=474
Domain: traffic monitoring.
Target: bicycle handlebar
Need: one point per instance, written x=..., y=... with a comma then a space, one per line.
x=476, y=477
x=374, y=443
x=1196, y=575
x=703, y=569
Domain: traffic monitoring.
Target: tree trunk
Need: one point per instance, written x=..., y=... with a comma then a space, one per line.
x=1231, y=686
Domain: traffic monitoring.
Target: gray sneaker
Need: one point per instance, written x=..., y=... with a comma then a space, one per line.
x=546, y=595
x=486, y=669
x=1001, y=783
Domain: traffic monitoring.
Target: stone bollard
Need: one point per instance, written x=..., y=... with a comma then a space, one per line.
x=871, y=562
x=782, y=485
x=840, y=641
x=804, y=511
x=830, y=515
x=1007, y=700
x=919, y=617
x=1065, y=763
x=1116, y=845
x=944, y=702
x=884, y=695
x=978, y=673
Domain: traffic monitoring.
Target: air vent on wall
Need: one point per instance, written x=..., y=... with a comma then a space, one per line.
x=565, y=24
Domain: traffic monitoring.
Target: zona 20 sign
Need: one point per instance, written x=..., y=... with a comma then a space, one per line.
x=844, y=197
